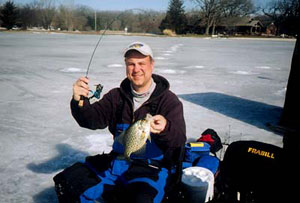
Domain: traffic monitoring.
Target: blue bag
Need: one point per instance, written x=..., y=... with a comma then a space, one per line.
x=209, y=162
x=198, y=154
x=195, y=150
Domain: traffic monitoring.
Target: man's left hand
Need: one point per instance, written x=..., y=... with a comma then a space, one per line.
x=158, y=124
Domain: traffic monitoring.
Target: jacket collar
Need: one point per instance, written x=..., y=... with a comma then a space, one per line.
x=161, y=86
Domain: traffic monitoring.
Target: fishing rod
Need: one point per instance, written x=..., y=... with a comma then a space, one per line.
x=99, y=87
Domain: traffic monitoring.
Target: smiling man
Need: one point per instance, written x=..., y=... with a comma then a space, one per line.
x=146, y=177
x=139, y=67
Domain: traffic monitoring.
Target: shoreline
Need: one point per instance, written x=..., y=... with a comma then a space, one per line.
x=111, y=32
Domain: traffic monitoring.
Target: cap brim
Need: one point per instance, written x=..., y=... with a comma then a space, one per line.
x=138, y=50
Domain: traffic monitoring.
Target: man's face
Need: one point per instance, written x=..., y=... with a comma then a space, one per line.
x=139, y=70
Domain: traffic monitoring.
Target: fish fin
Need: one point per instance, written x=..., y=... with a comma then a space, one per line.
x=140, y=151
x=128, y=159
x=120, y=157
x=120, y=138
x=143, y=135
x=127, y=156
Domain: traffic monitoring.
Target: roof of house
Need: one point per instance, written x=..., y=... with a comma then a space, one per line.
x=248, y=21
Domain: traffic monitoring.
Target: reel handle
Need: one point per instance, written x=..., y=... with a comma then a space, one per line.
x=80, y=103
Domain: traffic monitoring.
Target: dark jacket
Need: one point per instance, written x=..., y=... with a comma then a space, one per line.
x=104, y=113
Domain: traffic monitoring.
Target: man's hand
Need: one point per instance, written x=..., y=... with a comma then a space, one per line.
x=81, y=88
x=158, y=124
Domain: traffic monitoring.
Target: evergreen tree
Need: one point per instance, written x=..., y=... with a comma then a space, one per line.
x=9, y=15
x=175, y=18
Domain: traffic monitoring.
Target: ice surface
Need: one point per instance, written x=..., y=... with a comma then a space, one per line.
x=160, y=58
x=73, y=70
x=115, y=65
x=39, y=137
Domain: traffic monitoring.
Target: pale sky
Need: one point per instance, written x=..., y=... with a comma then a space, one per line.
x=158, y=5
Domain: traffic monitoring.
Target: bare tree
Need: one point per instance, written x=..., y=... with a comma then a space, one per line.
x=209, y=9
x=65, y=17
x=27, y=16
x=285, y=14
x=46, y=12
x=236, y=7
x=214, y=11
x=149, y=21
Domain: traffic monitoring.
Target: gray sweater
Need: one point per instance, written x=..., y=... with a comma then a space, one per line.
x=140, y=98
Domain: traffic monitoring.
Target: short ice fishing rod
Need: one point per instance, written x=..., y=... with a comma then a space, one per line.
x=99, y=87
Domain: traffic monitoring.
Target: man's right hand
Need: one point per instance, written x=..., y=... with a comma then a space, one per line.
x=81, y=88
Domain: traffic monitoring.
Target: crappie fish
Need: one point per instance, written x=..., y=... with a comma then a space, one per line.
x=135, y=137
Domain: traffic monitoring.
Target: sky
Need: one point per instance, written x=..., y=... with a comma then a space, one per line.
x=158, y=5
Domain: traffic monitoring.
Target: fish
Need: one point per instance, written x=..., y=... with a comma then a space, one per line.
x=135, y=137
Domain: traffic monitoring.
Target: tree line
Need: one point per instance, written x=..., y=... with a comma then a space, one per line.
x=204, y=18
x=46, y=14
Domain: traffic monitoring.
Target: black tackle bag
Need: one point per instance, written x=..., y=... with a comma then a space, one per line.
x=252, y=171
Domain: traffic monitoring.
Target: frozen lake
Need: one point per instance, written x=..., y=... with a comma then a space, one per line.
x=234, y=86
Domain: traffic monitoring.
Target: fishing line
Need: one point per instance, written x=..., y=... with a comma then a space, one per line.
x=102, y=35
x=99, y=87
x=100, y=38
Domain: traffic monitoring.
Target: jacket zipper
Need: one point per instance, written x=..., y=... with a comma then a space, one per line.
x=146, y=102
x=132, y=106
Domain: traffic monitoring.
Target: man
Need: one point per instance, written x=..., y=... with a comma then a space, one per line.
x=146, y=177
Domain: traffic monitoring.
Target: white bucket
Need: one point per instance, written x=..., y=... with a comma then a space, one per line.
x=198, y=183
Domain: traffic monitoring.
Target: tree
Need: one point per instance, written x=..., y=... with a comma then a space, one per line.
x=231, y=11
x=45, y=12
x=235, y=8
x=285, y=14
x=81, y=14
x=28, y=16
x=149, y=21
x=64, y=18
x=214, y=11
x=209, y=8
x=9, y=15
x=175, y=18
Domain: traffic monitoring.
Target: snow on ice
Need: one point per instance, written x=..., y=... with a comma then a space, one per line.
x=73, y=70
x=115, y=65
x=212, y=77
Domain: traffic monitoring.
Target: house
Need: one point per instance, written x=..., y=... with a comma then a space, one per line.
x=247, y=25
x=240, y=26
x=229, y=26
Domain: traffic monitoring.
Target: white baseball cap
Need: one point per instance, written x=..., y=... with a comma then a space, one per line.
x=140, y=47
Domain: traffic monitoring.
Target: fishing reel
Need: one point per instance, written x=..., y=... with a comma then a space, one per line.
x=96, y=94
